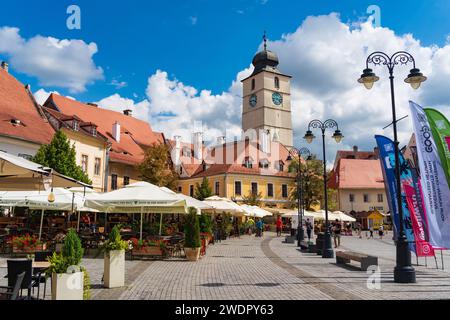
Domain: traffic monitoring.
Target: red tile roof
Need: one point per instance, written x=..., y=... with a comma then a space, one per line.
x=229, y=158
x=135, y=136
x=16, y=102
x=357, y=174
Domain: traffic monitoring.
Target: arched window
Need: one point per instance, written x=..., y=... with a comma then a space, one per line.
x=277, y=83
x=253, y=84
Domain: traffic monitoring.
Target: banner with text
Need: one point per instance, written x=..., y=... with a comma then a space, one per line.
x=387, y=157
x=423, y=248
x=436, y=192
x=440, y=127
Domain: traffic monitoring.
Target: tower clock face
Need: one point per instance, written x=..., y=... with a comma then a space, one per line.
x=253, y=100
x=277, y=98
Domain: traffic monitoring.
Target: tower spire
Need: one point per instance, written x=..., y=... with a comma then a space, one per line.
x=265, y=40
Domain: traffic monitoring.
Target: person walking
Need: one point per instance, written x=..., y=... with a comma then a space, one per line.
x=371, y=232
x=309, y=228
x=218, y=235
x=337, y=229
x=259, y=226
x=381, y=232
x=279, y=226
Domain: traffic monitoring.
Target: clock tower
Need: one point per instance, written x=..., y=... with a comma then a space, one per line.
x=267, y=99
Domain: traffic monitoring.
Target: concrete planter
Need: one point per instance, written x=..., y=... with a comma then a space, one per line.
x=192, y=254
x=114, y=269
x=67, y=286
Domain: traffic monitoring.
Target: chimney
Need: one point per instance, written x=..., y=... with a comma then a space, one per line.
x=221, y=140
x=128, y=112
x=116, y=131
x=5, y=66
x=355, y=149
x=176, y=152
x=198, y=146
x=92, y=104
x=28, y=87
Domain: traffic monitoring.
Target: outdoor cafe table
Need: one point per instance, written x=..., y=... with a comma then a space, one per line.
x=41, y=265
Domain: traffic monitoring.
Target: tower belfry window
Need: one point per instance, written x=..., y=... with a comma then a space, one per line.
x=277, y=83
x=253, y=84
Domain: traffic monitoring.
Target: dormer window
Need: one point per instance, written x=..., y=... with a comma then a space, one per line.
x=279, y=165
x=76, y=125
x=16, y=122
x=94, y=131
x=186, y=152
x=264, y=164
x=248, y=163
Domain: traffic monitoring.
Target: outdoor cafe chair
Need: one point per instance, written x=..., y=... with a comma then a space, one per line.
x=16, y=267
x=12, y=292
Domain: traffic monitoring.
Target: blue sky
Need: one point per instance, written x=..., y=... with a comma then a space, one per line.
x=201, y=42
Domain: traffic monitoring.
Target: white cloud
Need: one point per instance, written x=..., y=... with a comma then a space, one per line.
x=59, y=63
x=118, y=84
x=41, y=96
x=117, y=103
x=325, y=57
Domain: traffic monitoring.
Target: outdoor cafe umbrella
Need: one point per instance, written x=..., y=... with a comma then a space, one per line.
x=224, y=205
x=137, y=197
x=341, y=216
x=18, y=174
x=255, y=211
x=39, y=200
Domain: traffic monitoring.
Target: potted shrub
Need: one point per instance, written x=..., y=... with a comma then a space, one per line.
x=114, y=261
x=27, y=244
x=192, y=242
x=68, y=277
x=206, y=227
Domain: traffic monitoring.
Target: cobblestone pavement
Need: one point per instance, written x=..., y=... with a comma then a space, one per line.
x=266, y=268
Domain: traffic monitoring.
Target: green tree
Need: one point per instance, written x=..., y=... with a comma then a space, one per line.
x=61, y=156
x=203, y=190
x=192, y=230
x=157, y=168
x=252, y=199
x=312, y=178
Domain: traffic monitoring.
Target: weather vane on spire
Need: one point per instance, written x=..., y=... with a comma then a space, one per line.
x=265, y=40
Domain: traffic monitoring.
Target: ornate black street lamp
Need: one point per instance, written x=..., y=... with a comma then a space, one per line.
x=300, y=152
x=403, y=272
x=327, y=251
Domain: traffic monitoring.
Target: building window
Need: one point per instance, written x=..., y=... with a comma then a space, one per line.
x=284, y=190
x=217, y=188
x=254, y=188
x=126, y=180
x=277, y=83
x=270, y=190
x=97, y=166
x=181, y=170
x=186, y=152
x=366, y=198
x=84, y=163
x=76, y=125
x=180, y=189
x=264, y=164
x=380, y=197
x=253, y=84
x=114, y=182
x=237, y=188
x=191, y=190
x=248, y=163
x=351, y=197
x=94, y=131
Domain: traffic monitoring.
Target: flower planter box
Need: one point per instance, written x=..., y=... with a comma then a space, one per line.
x=148, y=252
x=192, y=254
x=114, y=269
x=67, y=286
x=29, y=250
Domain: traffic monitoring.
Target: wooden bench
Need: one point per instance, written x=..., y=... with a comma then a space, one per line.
x=343, y=257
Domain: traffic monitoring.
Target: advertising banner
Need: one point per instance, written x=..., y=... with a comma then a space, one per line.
x=387, y=158
x=440, y=127
x=436, y=192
